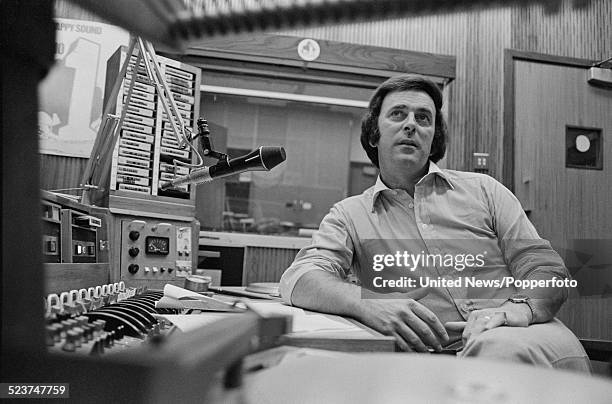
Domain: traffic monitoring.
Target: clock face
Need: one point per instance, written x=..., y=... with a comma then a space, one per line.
x=157, y=245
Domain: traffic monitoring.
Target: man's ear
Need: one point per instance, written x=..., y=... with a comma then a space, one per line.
x=371, y=143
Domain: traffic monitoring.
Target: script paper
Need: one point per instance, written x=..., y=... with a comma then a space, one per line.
x=304, y=321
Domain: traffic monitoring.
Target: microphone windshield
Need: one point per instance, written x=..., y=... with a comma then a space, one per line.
x=271, y=156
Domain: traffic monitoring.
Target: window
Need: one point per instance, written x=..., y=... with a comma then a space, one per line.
x=298, y=193
x=583, y=148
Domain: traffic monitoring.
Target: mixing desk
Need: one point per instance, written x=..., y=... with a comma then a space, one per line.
x=103, y=319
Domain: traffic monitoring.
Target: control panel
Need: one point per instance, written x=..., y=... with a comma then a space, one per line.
x=51, y=231
x=155, y=252
x=70, y=232
x=79, y=236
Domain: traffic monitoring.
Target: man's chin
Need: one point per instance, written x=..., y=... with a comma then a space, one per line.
x=413, y=156
x=412, y=160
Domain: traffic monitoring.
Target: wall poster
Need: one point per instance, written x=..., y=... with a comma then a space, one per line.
x=71, y=95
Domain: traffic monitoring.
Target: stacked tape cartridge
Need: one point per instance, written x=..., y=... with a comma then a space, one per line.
x=147, y=146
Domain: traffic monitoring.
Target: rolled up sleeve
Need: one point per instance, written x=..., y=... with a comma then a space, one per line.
x=331, y=250
x=528, y=256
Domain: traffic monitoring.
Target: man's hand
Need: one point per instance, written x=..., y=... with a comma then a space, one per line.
x=479, y=321
x=413, y=325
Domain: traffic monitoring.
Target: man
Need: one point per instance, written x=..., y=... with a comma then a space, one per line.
x=409, y=225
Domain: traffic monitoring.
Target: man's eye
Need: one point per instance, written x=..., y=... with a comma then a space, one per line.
x=397, y=115
x=423, y=119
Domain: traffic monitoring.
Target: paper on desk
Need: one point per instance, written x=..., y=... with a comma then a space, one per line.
x=177, y=292
x=189, y=322
x=179, y=298
x=275, y=308
x=303, y=321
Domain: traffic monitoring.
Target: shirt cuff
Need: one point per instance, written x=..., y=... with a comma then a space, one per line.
x=290, y=279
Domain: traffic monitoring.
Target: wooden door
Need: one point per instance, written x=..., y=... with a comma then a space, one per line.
x=569, y=206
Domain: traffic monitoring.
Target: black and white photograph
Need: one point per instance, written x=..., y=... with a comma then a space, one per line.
x=306, y=201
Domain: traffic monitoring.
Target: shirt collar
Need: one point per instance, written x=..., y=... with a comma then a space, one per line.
x=433, y=169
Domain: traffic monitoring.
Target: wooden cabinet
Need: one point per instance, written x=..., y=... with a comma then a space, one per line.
x=248, y=258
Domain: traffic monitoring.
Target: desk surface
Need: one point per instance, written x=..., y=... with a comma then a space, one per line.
x=418, y=378
x=364, y=339
x=359, y=339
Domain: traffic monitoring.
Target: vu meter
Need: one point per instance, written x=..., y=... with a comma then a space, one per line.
x=157, y=245
x=155, y=252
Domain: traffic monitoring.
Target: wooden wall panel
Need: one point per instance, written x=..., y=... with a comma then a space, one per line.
x=60, y=172
x=68, y=9
x=66, y=277
x=266, y=264
x=583, y=31
x=588, y=317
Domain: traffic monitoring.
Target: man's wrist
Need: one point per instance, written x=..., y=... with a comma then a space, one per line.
x=522, y=303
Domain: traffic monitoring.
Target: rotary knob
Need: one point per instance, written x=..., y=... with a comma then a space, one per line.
x=134, y=235
x=133, y=268
x=133, y=251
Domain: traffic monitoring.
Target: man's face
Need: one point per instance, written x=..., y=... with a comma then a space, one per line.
x=407, y=125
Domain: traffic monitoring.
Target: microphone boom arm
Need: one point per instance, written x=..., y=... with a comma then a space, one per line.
x=263, y=158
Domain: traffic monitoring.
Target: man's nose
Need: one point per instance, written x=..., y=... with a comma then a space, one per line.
x=410, y=123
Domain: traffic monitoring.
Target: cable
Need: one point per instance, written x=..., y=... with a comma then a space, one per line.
x=598, y=64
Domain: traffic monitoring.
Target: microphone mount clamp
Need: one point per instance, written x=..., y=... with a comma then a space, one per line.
x=207, y=146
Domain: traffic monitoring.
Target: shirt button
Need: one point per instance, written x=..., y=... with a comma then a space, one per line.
x=425, y=226
x=411, y=205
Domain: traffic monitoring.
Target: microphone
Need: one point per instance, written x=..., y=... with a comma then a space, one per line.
x=262, y=159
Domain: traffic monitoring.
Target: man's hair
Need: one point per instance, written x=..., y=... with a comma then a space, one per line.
x=405, y=82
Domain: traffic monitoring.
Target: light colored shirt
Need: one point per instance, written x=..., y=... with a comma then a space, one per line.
x=453, y=214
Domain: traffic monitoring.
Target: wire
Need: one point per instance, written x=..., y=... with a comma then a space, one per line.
x=598, y=64
x=69, y=189
x=199, y=160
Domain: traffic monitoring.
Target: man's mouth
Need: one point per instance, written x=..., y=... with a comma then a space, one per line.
x=408, y=142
